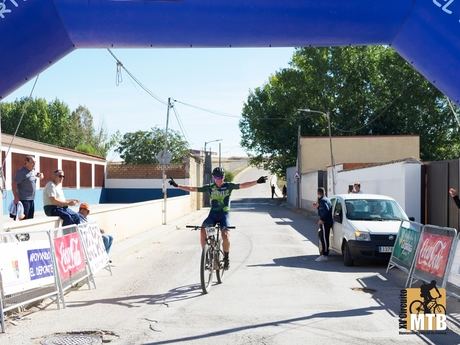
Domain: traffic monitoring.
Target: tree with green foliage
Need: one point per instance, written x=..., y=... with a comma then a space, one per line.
x=54, y=123
x=367, y=91
x=142, y=147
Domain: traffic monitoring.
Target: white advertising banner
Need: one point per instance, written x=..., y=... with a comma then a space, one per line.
x=94, y=246
x=25, y=265
x=454, y=276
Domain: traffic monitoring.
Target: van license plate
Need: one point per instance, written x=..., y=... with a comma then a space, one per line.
x=385, y=249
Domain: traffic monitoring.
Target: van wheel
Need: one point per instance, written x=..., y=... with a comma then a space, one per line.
x=347, y=258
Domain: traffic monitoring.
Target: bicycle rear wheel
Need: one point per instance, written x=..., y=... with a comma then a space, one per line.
x=206, y=268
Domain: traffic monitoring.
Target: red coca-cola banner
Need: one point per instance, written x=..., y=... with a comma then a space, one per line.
x=433, y=254
x=69, y=255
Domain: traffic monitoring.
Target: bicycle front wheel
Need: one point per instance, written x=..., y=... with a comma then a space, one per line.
x=439, y=309
x=206, y=268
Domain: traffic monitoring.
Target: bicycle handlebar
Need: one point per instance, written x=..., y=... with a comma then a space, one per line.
x=196, y=227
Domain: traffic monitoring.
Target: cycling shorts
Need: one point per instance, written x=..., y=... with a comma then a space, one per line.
x=217, y=217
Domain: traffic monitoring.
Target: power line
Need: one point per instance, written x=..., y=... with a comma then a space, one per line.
x=382, y=112
x=210, y=111
x=184, y=133
x=453, y=111
x=16, y=130
x=119, y=79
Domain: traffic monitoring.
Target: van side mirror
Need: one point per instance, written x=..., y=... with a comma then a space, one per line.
x=412, y=219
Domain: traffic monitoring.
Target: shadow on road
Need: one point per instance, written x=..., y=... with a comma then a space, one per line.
x=332, y=314
x=384, y=287
x=334, y=264
x=177, y=294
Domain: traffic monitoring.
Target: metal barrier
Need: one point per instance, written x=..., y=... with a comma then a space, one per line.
x=453, y=278
x=47, y=264
x=67, y=248
x=27, y=272
x=434, y=254
x=405, y=247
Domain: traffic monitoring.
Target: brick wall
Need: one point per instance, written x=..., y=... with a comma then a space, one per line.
x=145, y=171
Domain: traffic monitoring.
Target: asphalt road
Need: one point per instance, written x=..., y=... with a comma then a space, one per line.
x=274, y=293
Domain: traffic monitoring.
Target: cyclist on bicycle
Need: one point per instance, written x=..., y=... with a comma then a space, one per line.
x=425, y=293
x=219, y=193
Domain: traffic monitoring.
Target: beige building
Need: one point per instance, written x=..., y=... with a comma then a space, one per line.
x=315, y=153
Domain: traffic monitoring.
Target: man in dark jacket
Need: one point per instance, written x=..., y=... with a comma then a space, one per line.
x=324, y=207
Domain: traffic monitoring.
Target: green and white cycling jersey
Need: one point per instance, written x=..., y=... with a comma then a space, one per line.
x=219, y=196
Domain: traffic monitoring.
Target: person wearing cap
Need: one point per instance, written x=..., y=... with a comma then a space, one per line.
x=55, y=203
x=25, y=185
x=83, y=213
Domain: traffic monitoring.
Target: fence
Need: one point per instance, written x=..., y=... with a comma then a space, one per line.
x=48, y=264
x=437, y=206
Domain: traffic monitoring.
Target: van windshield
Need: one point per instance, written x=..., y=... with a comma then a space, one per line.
x=374, y=210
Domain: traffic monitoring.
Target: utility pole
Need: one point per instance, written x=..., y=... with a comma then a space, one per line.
x=299, y=169
x=328, y=115
x=220, y=155
x=163, y=164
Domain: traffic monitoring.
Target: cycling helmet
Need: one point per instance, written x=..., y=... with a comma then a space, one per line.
x=218, y=172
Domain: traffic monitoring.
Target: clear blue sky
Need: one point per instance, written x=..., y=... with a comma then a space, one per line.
x=218, y=79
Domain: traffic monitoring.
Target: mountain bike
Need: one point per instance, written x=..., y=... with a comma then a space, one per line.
x=212, y=256
x=416, y=307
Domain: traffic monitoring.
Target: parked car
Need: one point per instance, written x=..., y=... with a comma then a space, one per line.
x=365, y=226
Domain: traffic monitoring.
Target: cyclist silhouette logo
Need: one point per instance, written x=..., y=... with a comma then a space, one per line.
x=423, y=309
x=425, y=293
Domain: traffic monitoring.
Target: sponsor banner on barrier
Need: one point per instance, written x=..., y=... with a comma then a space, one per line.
x=26, y=265
x=406, y=244
x=454, y=276
x=434, y=253
x=69, y=255
x=95, y=250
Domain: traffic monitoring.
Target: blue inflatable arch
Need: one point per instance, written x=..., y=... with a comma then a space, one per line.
x=36, y=33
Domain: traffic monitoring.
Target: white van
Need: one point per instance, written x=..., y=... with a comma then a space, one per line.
x=365, y=226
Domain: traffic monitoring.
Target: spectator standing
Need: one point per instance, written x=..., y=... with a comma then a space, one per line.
x=324, y=207
x=284, y=192
x=351, y=188
x=273, y=191
x=83, y=213
x=25, y=185
x=55, y=203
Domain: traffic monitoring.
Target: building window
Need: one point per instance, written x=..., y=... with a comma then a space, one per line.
x=85, y=175
x=17, y=162
x=47, y=166
x=4, y=164
x=99, y=175
x=70, y=171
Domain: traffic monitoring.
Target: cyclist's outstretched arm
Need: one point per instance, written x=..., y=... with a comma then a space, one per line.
x=261, y=179
x=185, y=188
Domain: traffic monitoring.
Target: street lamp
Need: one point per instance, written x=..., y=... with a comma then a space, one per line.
x=328, y=117
x=208, y=142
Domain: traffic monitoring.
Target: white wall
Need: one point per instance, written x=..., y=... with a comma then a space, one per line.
x=309, y=190
x=140, y=183
x=291, y=184
x=401, y=181
x=121, y=221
